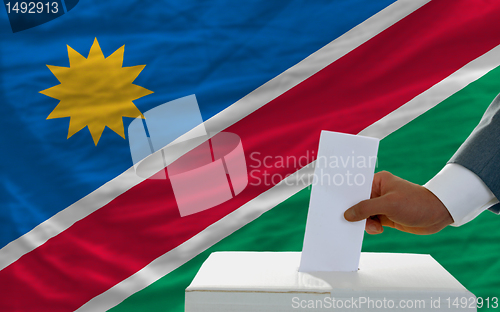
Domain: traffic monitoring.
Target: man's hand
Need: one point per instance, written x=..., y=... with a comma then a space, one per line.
x=400, y=204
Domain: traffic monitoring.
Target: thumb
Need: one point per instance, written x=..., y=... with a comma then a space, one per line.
x=366, y=209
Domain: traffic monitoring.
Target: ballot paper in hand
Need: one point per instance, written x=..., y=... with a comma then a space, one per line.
x=343, y=177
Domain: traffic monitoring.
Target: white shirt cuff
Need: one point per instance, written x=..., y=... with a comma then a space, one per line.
x=462, y=192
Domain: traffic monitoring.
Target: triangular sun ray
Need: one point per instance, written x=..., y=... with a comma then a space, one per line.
x=117, y=126
x=130, y=73
x=96, y=131
x=75, y=125
x=75, y=58
x=61, y=73
x=116, y=59
x=95, y=51
x=53, y=92
x=60, y=111
x=132, y=111
x=135, y=92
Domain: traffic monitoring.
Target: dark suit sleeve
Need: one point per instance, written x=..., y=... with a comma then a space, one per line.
x=480, y=153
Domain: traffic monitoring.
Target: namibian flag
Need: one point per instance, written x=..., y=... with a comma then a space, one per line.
x=81, y=231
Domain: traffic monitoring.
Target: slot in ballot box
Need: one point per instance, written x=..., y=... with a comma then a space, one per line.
x=271, y=282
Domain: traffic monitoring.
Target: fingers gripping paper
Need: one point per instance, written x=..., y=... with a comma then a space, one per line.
x=342, y=177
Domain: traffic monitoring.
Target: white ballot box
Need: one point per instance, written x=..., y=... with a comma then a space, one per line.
x=271, y=282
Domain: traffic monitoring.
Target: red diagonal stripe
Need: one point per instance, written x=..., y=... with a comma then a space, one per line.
x=347, y=96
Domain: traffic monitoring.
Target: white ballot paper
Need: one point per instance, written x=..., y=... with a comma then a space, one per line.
x=343, y=177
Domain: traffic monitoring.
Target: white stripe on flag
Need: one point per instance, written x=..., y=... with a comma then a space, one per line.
x=435, y=95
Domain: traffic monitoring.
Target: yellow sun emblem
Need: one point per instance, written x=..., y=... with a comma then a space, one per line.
x=96, y=91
